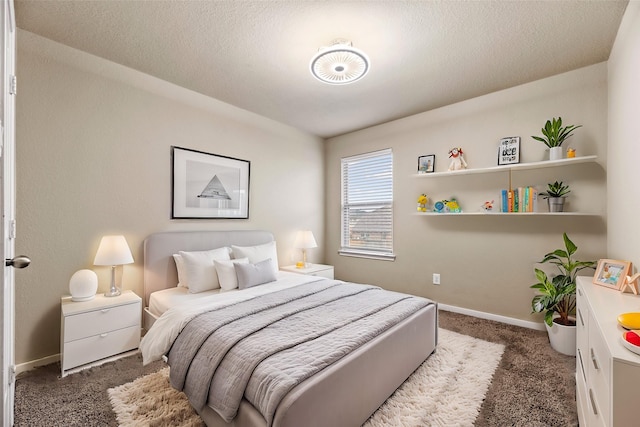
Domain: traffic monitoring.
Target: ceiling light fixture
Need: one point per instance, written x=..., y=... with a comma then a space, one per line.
x=339, y=63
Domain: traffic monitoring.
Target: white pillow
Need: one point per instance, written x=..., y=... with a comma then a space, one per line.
x=255, y=274
x=201, y=272
x=258, y=253
x=227, y=272
x=182, y=275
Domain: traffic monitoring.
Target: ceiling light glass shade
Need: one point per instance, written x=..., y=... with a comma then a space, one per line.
x=339, y=63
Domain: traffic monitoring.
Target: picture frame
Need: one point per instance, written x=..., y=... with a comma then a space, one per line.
x=427, y=164
x=509, y=151
x=208, y=186
x=611, y=273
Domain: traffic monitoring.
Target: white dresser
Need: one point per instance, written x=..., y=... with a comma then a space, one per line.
x=312, y=270
x=607, y=374
x=97, y=329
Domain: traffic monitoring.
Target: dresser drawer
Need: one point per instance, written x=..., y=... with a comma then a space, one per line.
x=99, y=346
x=96, y=322
x=599, y=371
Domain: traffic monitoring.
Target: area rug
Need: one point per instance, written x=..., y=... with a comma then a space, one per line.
x=447, y=389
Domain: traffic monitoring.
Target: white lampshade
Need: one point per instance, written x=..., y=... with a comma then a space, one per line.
x=305, y=240
x=113, y=250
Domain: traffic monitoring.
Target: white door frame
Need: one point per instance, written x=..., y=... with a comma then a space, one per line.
x=7, y=187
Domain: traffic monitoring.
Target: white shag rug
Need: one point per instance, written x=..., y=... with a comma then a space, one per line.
x=447, y=389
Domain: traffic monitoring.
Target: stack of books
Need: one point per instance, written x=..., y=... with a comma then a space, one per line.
x=521, y=199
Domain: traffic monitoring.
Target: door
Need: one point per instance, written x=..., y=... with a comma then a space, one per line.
x=7, y=206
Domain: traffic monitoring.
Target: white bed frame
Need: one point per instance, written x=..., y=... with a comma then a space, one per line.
x=343, y=395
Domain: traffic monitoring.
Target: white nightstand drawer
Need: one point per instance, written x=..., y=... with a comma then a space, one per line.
x=98, y=347
x=103, y=320
x=319, y=270
x=328, y=273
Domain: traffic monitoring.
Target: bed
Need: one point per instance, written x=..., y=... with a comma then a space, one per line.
x=343, y=393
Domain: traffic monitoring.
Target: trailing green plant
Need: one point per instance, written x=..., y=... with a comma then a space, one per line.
x=558, y=295
x=554, y=133
x=557, y=189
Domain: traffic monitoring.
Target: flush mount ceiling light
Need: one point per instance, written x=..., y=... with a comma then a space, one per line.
x=339, y=63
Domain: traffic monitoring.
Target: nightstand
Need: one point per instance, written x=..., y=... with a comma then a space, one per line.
x=98, y=329
x=313, y=270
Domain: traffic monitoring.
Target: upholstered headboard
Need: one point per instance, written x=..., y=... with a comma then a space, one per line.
x=159, y=267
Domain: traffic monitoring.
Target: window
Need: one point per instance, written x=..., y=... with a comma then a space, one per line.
x=367, y=205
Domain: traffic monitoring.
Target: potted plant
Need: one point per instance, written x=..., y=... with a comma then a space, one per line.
x=554, y=136
x=555, y=195
x=557, y=296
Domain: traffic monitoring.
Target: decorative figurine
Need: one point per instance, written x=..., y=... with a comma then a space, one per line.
x=631, y=282
x=457, y=161
x=447, y=206
x=422, y=203
x=487, y=206
x=571, y=153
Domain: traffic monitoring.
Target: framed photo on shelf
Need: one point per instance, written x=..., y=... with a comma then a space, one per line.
x=611, y=273
x=208, y=186
x=509, y=151
x=427, y=164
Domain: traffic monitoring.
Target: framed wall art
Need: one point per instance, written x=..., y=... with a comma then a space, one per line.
x=509, y=150
x=427, y=164
x=207, y=186
x=611, y=273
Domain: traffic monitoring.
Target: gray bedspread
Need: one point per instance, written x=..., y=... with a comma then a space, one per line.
x=263, y=347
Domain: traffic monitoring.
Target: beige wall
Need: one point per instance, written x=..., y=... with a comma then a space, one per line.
x=623, y=192
x=486, y=263
x=93, y=158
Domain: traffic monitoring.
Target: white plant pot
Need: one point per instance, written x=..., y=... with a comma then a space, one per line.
x=555, y=153
x=562, y=338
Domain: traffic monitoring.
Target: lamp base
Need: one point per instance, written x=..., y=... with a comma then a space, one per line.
x=113, y=293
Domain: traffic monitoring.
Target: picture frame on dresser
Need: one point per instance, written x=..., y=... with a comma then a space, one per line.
x=208, y=186
x=611, y=273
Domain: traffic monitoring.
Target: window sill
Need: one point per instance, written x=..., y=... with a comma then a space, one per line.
x=368, y=255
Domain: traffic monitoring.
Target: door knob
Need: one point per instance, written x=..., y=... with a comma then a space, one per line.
x=20, y=261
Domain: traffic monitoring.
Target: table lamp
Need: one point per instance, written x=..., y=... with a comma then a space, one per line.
x=113, y=251
x=304, y=241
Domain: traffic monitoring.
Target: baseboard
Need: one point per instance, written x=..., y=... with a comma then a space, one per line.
x=495, y=317
x=27, y=366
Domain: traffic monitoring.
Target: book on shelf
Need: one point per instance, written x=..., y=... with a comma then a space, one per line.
x=519, y=200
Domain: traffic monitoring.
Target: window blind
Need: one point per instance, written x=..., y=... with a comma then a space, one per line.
x=367, y=204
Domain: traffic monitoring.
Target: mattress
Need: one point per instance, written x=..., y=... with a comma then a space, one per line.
x=161, y=301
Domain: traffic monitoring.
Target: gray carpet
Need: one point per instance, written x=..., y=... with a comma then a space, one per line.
x=533, y=385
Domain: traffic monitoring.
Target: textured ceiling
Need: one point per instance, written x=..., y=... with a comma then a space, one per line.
x=255, y=54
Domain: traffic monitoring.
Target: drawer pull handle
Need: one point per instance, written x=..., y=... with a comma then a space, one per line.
x=593, y=403
x=594, y=360
x=103, y=335
x=579, y=291
x=105, y=310
x=580, y=316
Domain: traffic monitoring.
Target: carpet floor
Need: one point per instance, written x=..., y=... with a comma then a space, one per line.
x=532, y=386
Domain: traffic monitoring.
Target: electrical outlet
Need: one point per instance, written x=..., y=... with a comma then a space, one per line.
x=436, y=278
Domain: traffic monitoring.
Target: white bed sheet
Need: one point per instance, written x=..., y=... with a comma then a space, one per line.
x=158, y=340
x=161, y=301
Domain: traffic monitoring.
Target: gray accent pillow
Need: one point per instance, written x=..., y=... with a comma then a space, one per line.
x=255, y=274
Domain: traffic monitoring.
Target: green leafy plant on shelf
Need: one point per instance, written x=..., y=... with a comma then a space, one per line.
x=557, y=189
x=558, y=295
x=554, y=133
